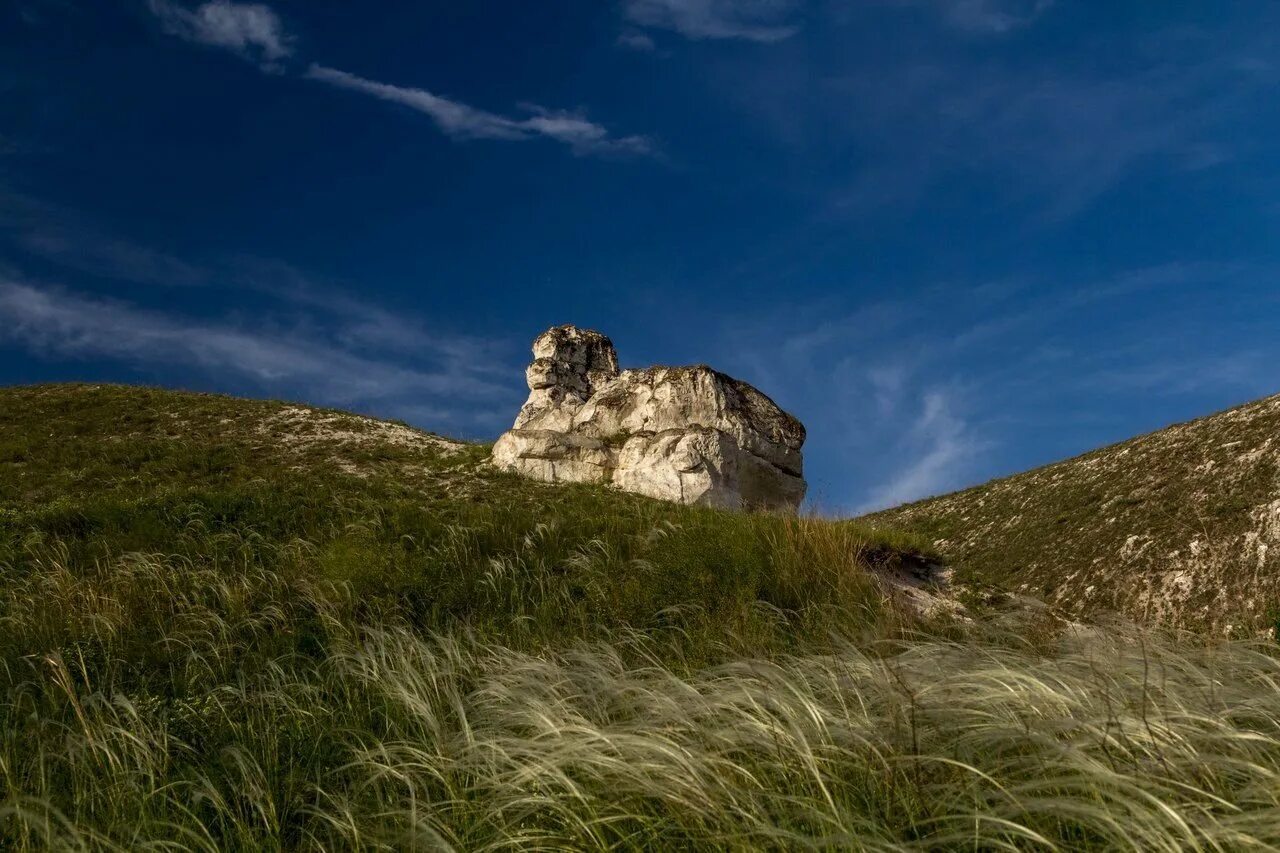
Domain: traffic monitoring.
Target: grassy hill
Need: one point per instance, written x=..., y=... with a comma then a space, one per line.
x=243, y=625
x=1179, y=526
x=412, y=524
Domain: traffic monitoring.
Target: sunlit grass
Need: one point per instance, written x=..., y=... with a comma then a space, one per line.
x=211, y=641
x=225, y=731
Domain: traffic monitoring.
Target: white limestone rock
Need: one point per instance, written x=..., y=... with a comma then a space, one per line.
x=686, y=434
x=556, y=457
x=568, y=365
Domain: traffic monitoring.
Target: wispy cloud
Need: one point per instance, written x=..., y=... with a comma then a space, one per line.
x=54, y=234
x=462, y=121
x=886, y=423
x=750, y=20
x=1066, y=138
x=112, y=258
x=636, y=40
x=941, y=386
x=367, y=327
x=939, y=450
x=251, y=30
x=60, y=237
x=1145, y=367
x=1048, y=134
x=256, y=32
x=459, y=384
x=986, y=16
x=39, y=12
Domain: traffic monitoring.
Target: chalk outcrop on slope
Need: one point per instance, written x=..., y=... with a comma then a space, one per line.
x=686, y=434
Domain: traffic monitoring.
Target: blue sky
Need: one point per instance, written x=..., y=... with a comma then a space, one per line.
x=957, y=238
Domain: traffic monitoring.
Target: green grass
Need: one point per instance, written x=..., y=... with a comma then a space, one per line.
x=225, y=625
x=1181, y=526
x=96, y=474
x=391, y=737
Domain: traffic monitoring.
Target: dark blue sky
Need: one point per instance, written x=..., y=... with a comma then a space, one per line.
x=957, y=238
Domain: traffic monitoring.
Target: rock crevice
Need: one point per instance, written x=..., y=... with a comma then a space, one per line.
x=687, y=434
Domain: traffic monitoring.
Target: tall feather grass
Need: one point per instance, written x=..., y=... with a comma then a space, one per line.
x=162, y=704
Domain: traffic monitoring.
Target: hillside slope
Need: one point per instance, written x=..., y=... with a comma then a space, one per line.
x=410, y=521
x=1180, y=525
x=243, y=625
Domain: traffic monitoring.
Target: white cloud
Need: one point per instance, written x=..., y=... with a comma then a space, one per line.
x=945, y=385
x=461, y=121
x=880, y=392
x=1059, y=138
x=751, y=20
x=1049, y=134
x=991, y=16
x=333, y=368
x=256, y=32
x=58, y=235
x=940, y=445
x=112, y=258
x=636, y=40
x=888, y=382
x=249, y=29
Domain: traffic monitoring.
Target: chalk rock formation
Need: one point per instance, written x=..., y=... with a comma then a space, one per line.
x=687, y=434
